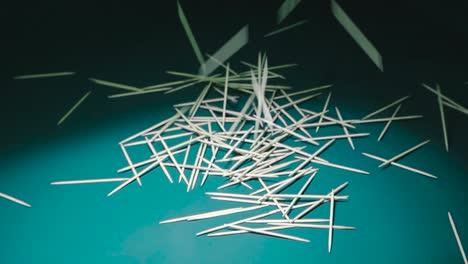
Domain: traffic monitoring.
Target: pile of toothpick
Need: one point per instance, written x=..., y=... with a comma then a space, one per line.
x=256, y=135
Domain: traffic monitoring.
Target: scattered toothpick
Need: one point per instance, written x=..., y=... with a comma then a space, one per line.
x=13, y=199
x=457, y=237
x=73, y=108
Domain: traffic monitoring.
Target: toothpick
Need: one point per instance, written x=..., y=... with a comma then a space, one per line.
x=268, y=233
x=187, y=152
x=274, y=200
x=212, y=214
x=462, y=110
x=404, y=153
x=225, y=93
x=306, y=196
x=311, y=157
x=188, y=31
x=160, y=161
x=333, y=120
x=241, y=140
x=286, y=222
x=279, y=184
x=13, y=199
x=236, y=232
x=89, y=181
x=344, y=128
x=325, y=107
x=442, y=117
x=171, y=156
x=145, y=170
x=355, y=121
x=330, y=230
x=377, y=120
x=400, y=165
x=255, y=217
x=115, y=85
x=295, y=123
x=200, y=98
x=357, y=34
x=162, y=85
x=176, y=89
x=142, y=142
x=301, y=191
x=210, y=164
x=460, y=107
x=127, y=157
x=306, y=91
x=73, y=108
x=138, y=93
x=457, y=237
x=338, y=137
x=43, y=75
x=295, y=224
x=152, y=159
x=247, y=105
x=285, y=9
x=385, y=107
x=298, y=101
x=288, y=131
x=319, y=202
x=202, y=154
x=208, y=101
x=285, y=28
x=388, y=123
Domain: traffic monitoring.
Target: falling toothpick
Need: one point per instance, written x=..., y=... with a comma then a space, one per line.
x=225, y=94
x=457, y=237
x=73, y=108
x=442, y=117
x=388, y=123
x=13, y=199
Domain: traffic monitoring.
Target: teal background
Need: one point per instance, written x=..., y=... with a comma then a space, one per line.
x=400, y=217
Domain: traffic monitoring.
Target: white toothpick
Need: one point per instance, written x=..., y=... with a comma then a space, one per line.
x=442, y=117
x=344, y=128
x=274, y=200
x=89, y=181
x=43, y=75
x=171, y=156
x=306, y=91
x=268, y=233
x=404, y=153
x=225, y=93
x=134, y=177
x=187, y=152
x=73, y=108
x=400, y=165
x=385, y=107
x=388, y=123
x=330, y=230
x=325, y=107
x=457, y=237
x=160, y=160
x=13, y=199
x=235, y=232
x=127, y=157
x=319, y=202
x=212, y=214
x=301, y=191
x=255, y=217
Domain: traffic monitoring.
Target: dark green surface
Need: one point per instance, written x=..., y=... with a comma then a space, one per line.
x=400, y=217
